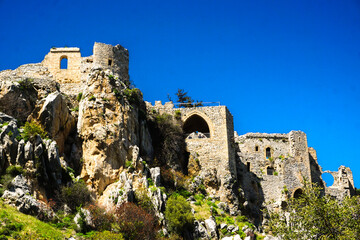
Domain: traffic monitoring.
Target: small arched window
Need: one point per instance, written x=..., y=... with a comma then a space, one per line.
x=268, y=152
x=63, y=62
x=256, y=148
x=298, y=193
x=270, y=171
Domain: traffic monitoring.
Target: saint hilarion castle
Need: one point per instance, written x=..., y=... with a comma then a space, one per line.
x=98, y=125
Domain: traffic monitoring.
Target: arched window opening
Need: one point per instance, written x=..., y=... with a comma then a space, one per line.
x=298, y=193
x=268, y=152
x=270, y=171
x=109, y=62
x=196, y=127
x=256, y=148
x=63, y=62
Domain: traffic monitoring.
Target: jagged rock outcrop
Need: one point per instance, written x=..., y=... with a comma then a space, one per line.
x=19, y=195
x=108, y=125
x=17, y=99
x=200, y=231
x=21, y=88
x=39, y=158
x=53, y=113
x=210, y=225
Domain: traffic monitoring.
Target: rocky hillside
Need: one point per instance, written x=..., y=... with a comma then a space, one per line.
x=92, y=159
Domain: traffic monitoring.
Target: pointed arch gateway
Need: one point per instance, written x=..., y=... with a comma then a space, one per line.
x=195, y=126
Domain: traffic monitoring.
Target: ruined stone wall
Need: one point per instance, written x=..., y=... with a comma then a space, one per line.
x=53, y=60
x=73, y=78
x=215, y=152
x=315, y=168
x=343, y=185
x=279, y=161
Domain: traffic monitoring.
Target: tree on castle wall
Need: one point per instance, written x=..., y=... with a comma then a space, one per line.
x=184, y=100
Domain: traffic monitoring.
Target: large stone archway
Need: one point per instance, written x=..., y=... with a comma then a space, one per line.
x=198, y=123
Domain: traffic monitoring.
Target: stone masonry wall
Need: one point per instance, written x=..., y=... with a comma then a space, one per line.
x=72, y=79
x=53, y=59
x=215, y=153
x=282, y=168
x=111, y=57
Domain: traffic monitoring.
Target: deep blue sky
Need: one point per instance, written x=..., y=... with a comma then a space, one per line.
x=293, y=65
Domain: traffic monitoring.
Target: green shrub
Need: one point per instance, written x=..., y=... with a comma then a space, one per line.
x=134, y=96
x=31, y=129
x=75, y=195
x=186, y=194
x=150, y=182
x=128, y=164
x=178, y=214
x=10, y=133
x=92, y=98
x=211, y=204
x=144, y=201
x=101, y=219
x=6, y=182
x=177, y=114
x=14, y=170
x=199, y=197
x=26, y=84
x=106, y=235
x=75, y=109
x=79, y=97
x=84, y=227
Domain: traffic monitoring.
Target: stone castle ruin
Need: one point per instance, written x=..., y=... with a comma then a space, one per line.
x=261, y=169
x=269, y=167
x=70, y=69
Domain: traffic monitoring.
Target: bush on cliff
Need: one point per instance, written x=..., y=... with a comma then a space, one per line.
x=75, y=195
x=31, y=129
x=178, y=214
x=168, y=141
x=135, y=223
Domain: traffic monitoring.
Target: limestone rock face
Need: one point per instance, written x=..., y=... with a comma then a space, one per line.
x=19, y=195
x=39, y=158
x=54, y=114
x=108, y=125
x=17, y=100
x=211, y=228
x=200, y=231
x=22, y=87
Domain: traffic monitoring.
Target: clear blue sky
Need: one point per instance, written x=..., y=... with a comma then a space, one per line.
x=289, y=65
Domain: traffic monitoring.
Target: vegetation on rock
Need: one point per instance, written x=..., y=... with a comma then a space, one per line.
x=135, y=223
x=75, y=195
x=314, y=216
x=31, y=129
x=178, y=214
x=168, y=141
